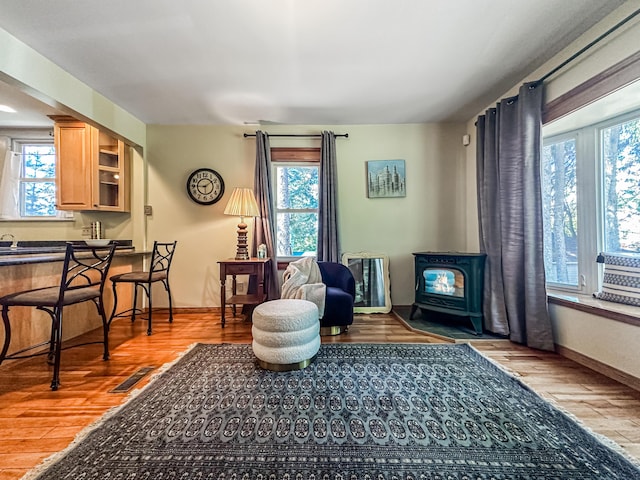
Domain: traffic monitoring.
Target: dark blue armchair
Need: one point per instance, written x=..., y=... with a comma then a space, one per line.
x=341, y=293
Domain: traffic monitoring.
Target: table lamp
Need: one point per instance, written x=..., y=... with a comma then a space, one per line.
x=242, y=204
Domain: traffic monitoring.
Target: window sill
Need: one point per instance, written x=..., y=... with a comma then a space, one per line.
x=22, y=220
x=586, y=303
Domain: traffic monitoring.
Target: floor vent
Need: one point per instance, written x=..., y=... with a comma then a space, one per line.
x=132, y=380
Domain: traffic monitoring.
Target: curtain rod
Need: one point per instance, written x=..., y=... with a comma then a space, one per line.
x=587, y=47
x=345, y=135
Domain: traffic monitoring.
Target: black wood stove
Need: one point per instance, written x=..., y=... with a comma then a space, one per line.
x=451, y=283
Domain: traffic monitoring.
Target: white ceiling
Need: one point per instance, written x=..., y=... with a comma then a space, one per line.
x=29, y=111
x=299, y=61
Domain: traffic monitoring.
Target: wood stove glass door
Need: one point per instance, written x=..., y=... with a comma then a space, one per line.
x=371, y=273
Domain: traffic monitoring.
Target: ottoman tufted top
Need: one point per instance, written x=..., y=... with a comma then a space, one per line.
x=285, y=315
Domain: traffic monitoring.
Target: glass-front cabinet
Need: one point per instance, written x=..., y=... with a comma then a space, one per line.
x=111, y=174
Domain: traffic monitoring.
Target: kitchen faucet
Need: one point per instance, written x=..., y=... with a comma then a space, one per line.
x=14, y=243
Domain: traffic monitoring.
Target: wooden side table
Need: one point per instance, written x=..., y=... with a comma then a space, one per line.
x=253, y=267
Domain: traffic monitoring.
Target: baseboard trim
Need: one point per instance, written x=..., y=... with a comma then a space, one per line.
x=604, y=369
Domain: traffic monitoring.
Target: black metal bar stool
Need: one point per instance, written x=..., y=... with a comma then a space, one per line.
x=84, y=273
x=158, y=272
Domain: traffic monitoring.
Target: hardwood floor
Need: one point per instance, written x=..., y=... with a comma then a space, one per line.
x=36, y=422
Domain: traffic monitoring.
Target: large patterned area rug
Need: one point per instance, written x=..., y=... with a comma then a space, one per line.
x=359, y=411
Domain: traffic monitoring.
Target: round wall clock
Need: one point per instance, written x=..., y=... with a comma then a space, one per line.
x=205, y=186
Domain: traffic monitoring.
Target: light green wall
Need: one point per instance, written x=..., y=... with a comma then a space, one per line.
x=613, y=49
x=439, y=212
x=26, y=69
x=608, y=341
x=428, y=218
x=22, y=66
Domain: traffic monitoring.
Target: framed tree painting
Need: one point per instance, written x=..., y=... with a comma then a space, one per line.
x=386, y=178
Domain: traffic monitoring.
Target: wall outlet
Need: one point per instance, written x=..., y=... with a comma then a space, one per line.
x=241, y=288
x=148, y=210
x=86, y=232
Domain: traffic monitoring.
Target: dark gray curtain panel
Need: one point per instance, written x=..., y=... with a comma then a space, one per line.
x=510, y=218
x=328, y=238
x=265, y=225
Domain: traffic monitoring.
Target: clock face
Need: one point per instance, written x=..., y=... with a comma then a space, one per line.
x=205, y=186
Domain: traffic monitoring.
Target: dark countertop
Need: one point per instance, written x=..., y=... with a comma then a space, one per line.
x=50, y=251
x=47, y=246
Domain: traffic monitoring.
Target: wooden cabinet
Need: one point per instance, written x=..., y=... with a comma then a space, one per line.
x=92, y=168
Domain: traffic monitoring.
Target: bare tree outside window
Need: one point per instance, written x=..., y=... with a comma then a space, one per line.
x=560, y=212
x=621, y=166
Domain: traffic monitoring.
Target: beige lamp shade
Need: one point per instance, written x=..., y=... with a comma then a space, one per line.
x=242, y=204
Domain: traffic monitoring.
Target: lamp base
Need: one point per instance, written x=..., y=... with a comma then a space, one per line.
x=242, y=252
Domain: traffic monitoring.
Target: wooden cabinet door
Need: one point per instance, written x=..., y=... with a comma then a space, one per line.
x=73, y=143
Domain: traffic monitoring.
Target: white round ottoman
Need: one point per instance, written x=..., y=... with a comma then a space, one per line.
x=286, y=334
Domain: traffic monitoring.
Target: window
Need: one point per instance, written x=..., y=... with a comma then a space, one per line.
x=37, y=188
x=296, y=187
x=590, y=190
x=27, y=182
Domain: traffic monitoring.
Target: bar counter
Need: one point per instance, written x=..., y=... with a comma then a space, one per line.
x=52, y=251
x=39, y=264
